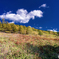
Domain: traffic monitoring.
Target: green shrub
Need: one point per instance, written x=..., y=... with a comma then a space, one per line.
x=40, y=32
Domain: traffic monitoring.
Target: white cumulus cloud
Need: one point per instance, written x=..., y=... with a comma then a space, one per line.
x=22, y=15
x=54, y=30
x=40, y=27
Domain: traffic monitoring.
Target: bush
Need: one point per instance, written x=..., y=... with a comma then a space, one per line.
x=40, y=32
x=7, y=32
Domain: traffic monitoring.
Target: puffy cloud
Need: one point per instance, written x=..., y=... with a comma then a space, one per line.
x=43, y=5
x=54, y=30
x=22, y=15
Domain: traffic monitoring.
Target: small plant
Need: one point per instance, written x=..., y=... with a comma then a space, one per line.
x=17, y=42
x=40, y=32
x=55, y=45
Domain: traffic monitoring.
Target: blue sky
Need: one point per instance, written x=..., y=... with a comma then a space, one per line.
x=40, y=14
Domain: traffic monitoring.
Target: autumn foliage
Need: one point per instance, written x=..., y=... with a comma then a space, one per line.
x=12, y=28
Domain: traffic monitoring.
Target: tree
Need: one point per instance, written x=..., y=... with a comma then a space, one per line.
x=51, y=32
x=34, y=29
x=14, y=27
x=40, y=32
x=58, y=33
x=55, y=33
x=3, y=21
x=29, y=30
x=21, y=29
x=17, y=27
x=24, y=29
x=0, y=25
x=8, y=27
x=3, y=25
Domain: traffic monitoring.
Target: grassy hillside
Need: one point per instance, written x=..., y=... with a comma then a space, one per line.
x=19, y=46
x=21, y=42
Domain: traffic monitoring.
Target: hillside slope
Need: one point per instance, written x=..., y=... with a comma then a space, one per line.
x=19, y=46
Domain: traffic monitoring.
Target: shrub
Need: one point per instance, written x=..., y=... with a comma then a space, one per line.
x=7, y=31
x=40, y=32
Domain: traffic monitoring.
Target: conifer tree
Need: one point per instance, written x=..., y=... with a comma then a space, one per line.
x=0, y=25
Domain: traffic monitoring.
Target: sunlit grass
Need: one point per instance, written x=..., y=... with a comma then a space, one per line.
x=28, y=47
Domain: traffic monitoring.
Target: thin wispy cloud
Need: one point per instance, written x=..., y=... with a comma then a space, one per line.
x=36, y=27
x=40, y=27
x=22, y=15
x=43, y=5
x=11, y=22
x=46, y=27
